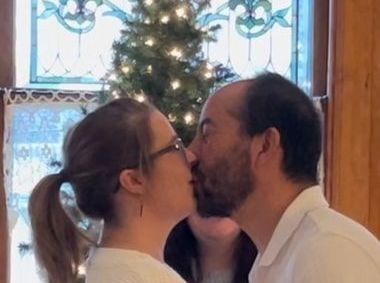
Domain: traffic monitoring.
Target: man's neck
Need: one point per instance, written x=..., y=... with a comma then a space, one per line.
x=261, y=213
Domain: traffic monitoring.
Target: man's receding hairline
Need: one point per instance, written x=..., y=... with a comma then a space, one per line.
x=235, y=110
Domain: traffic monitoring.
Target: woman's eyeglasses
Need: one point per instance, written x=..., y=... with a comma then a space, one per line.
x=176, y=146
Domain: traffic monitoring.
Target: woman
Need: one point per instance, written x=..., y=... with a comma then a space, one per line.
x=210, y=250
x=126, y=166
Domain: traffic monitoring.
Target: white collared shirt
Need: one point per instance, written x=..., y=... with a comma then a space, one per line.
x=110, y=265
x=315, y=244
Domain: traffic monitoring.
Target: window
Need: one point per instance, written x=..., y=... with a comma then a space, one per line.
x=67, y=44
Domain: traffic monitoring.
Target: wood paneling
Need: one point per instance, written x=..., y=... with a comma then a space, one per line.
x=6, y=43
x=374, y=213
x=353, y=181
x=320, y=48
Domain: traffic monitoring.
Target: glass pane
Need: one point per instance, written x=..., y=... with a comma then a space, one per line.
x=71, y=40
x=34, y=139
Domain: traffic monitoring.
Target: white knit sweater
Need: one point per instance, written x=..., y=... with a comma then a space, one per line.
x=107, y=265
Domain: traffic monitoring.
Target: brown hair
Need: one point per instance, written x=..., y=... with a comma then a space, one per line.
x=114, y=137
x=182, y=254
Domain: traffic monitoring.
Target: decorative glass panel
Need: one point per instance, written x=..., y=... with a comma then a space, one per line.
x=35, y=124
x=71, y=40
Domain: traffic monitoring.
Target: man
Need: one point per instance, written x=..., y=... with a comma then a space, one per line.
x=258, y=147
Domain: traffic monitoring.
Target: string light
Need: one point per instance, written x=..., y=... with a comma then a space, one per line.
x=165, y=19
x=147, y=21
x=209, y=71
x=208, y=75
x=149, y=42
x=126, y=69
x=189, y=118
x=149, y=69
x=140, y=97
x=172, y=118
x=148, y=2
x=175, y=84
x=176, y=52
x=115, y=94
x=181, y=12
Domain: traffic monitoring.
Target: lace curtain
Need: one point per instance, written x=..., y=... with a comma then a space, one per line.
x=35, y=124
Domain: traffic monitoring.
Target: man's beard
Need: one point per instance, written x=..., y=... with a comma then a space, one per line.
x=223, y=187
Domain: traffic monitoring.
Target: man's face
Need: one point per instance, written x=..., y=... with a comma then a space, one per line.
x=224, y=168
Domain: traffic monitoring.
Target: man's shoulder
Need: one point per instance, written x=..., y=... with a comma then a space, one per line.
x=333, y=235
x=326, y=223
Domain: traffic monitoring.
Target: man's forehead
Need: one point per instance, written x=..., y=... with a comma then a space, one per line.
x=228, y=100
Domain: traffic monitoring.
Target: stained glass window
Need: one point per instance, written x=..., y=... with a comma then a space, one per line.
x=66, y=42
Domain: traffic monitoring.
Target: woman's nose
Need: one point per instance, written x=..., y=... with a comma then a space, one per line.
x=190, y=156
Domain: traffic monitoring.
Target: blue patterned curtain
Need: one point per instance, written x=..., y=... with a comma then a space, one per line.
x=35, y=124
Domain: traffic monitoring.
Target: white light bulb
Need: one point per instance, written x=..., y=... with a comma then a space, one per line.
x=172, y=118
x=175, y=84
x=140, y=97
x=165, y=19
x=147, y=21
x=209, y=67
x=189, y=118
x=149, y=69
x=115, y=94
x=148, y=2
x=126, y=69
x=176, y=52
x=149, y=42
x=181, y=12
x=208, y=75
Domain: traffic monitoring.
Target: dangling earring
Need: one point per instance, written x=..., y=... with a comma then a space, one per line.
x=141, y=208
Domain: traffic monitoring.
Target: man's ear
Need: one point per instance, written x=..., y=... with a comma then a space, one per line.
x=266, y=145
x=133, y=181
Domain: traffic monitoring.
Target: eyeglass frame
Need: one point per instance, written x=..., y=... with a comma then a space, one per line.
x=176, y=146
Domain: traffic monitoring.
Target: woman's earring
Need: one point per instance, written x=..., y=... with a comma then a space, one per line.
x=141, y=209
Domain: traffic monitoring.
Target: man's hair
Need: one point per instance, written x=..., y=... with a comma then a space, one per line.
x=273, y=101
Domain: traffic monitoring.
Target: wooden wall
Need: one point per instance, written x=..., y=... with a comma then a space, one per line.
x=6, y=79
x=353, y=178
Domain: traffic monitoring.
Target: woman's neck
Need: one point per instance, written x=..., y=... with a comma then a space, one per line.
x=143, y=234
x=217, y=254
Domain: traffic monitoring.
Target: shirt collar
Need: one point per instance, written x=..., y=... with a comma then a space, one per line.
x=308, y=200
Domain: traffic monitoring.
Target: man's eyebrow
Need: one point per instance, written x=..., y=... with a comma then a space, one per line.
x=206, y=121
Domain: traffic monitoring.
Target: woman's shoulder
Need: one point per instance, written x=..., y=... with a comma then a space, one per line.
x=128, y=266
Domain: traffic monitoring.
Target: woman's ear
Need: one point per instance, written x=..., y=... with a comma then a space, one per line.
x=132, y=180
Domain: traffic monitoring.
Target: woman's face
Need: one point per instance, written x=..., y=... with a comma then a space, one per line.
x=213, y=228
x=170, y=191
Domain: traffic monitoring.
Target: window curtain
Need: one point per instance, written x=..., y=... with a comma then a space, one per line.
x=35, y=125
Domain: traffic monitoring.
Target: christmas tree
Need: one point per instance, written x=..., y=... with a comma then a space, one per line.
x=159, y=58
